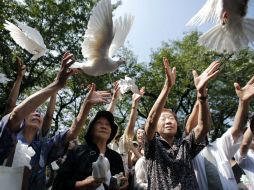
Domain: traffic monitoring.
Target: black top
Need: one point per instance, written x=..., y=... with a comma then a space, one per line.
x=170, y=167
x=78, y=166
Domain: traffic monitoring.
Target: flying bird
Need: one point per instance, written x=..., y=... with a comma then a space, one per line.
x=232, y=31
x=3, y=78
x=102, y=39
x=27, y=37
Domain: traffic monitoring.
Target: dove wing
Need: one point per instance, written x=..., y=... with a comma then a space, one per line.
x=32, y=33
x=210, y=12
x=122, y=26
x=99, y=33
x=21, y=38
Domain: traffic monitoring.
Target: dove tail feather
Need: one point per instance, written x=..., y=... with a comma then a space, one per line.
x=220, y=38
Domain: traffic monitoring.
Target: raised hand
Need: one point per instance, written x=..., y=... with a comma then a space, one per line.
x=97, y=97
x=201, y=81
x=21, y=67
x=65, y=71
x=116, y=92
x=136, y=97
x=170, y=75
x=247, y=92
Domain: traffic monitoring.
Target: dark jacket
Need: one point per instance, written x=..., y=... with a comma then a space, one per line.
x=78, y=166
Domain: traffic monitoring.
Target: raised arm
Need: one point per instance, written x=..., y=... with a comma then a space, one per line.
x=11, y=102
x=49, y=116
x=247, y=138
x=116, y=94
x=192, y=119
x=129, y=131
x=93, y=97
x=245, y=95
x=152, y=120
x=32, y=102
x=201, y=81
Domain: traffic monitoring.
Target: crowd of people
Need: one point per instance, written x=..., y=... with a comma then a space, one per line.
x=150, y=158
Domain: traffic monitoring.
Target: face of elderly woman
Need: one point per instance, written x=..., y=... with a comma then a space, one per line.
x=101, y=129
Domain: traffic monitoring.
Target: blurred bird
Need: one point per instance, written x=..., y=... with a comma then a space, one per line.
x=101, y=167
x=27, y=37
x=3, y=78
x=102, y=39
x=232, y=31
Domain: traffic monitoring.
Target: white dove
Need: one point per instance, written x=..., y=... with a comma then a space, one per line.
x=102, y=39
x=128, y=84
x=101, y=168
x=232, y=31
x=27, y=37
x=3, y=78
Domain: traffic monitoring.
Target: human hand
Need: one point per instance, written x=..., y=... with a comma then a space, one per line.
x=65, y=71
x=170, y=75
x=116, y=92
x=200, y=81
x=136, y=97
x=246, y=93
x=21, y=67
x=90, y=183
x=96, y=97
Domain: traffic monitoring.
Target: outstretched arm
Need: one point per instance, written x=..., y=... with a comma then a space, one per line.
x=93, y=97
x=201, y=81
x=129, y=131
x=32, y=102
x=116, y=93
x=153, y=117
x=245, y=95
x=49, y=116
x=247, y=138
x=11, y=102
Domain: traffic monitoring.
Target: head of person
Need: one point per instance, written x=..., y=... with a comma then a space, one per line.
x=101, y=128
x=34, y=121
x=140, y=135
x=167, y=124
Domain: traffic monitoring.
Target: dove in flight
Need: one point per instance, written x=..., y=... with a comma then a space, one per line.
x=232, y=31
x=3, y=78
x=27, y=37
x=102, y=39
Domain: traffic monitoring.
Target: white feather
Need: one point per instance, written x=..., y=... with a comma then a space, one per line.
x=229, y=38
x=210, y=12
x=102, y=39
x=3, y=78
x=28, y=38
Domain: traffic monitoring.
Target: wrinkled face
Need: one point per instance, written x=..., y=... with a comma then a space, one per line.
x=34, y=120
x=101, y=129
x=167, y=124
x=140, y=136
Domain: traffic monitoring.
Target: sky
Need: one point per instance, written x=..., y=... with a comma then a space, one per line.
x=161, y=20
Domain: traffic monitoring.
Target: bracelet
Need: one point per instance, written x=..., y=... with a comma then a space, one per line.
x=202, y=98
x=133, y=107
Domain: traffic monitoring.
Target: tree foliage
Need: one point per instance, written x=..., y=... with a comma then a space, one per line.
x=62, y=24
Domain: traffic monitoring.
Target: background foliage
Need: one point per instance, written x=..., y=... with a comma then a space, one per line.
x=62, y=24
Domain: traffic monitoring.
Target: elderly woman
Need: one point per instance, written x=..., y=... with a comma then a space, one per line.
x=76, y=172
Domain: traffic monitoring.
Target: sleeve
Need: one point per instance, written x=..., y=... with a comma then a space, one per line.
x=241, y=160
x=191, y=146
x=149, y=152
x=227, y=146
x=56, y=146
x=6, y=139
x=140, y=174
x=64, y=179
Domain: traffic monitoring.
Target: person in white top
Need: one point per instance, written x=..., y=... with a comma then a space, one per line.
x=212, y=165
x=140, y=179
x=245, y=155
